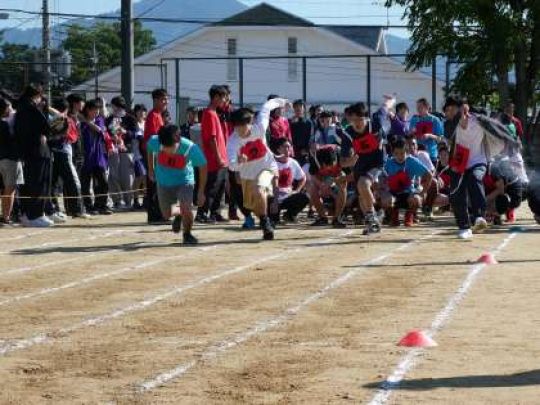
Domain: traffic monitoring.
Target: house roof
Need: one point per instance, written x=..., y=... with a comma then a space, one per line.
x=367, y=36
x=264, y=14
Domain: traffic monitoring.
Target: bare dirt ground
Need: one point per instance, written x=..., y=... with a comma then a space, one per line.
x=112, y=311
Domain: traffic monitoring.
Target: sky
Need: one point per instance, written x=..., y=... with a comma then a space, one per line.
x=353, y=12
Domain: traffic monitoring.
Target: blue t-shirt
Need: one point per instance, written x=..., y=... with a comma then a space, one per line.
x=428, y=125
x=402, y=176
x=170, y=177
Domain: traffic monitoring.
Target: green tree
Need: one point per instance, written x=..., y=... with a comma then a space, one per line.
x=80, y=41
x=490, y=38
x=13, y=72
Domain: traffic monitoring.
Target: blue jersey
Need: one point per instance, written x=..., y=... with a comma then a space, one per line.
x=402, y=176
x=427, y=125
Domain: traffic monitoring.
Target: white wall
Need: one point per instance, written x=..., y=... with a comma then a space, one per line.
x=329, y=81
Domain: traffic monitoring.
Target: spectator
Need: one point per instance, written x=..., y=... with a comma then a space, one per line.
x=326, y=132
x=427, y=128
x=11, y=171
x=31, y=134
x=139, y=113
x=95, y=160
x=301, y=131
x=214, y=147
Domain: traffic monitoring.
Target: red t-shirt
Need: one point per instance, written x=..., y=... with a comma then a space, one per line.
x=211, y=128
x=153, y=124
x=72, y=135
x=280, y=128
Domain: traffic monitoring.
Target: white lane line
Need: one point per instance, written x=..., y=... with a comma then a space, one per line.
x=13, y=345
x=263, y=326
x=410, y=360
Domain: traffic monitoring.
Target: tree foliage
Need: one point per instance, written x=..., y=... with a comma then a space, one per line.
x=488, y=38
x=80, y=42
x=13, y=71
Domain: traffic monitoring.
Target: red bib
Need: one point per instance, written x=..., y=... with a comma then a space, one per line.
x=285, y=178
x=254, y=150
x=459, y=161
x=332, y=171
x=423, y=128
x=399, y=182
x=489, y=183
x=366, y=144
x=445, y=177
x=172, y=160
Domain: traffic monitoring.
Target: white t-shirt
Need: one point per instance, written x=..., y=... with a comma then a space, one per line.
x=423, y=157
x=288, y=173
x=472, y=138
x=254, y=146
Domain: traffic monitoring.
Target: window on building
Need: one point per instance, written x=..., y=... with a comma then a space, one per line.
x=232, y=64
x=293, y=62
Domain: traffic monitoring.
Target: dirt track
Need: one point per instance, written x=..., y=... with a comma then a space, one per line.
x=95, y=311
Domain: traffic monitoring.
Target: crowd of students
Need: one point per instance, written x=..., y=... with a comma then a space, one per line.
x=340, y=168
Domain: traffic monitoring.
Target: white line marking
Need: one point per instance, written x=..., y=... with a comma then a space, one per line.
x=409, y=361
x=9, y=346
x=263, y=326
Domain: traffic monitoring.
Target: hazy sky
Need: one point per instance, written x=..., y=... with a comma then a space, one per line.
x=354, y=12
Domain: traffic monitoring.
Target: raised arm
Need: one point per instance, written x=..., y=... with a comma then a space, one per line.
x=263, y=118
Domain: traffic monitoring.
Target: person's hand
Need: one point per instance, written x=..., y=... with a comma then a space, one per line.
x=43, y=140
x=201, y=198
x=242, y=158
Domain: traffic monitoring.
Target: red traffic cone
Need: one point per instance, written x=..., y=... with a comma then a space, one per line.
x=417, y=338
x=488, y=258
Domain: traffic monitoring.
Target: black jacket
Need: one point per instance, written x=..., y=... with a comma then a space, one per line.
x=30, y=125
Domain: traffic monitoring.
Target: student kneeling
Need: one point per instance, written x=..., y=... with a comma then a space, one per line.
x=170, y=164
x=403, y=171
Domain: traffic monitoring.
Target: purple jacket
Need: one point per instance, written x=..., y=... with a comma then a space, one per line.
x=399, y=127
x=95, y=151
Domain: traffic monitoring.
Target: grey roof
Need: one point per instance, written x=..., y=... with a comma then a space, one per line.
x=366, y=36
x=265, y=14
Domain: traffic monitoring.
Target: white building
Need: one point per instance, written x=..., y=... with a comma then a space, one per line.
x=265, y=31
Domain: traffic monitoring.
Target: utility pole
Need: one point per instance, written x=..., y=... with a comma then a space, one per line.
x=46, y=49
x=95, y=62
x=127, y=37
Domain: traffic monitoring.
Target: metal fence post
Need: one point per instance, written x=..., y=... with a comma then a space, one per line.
x=241, y=81
x=368, y=89
x=304, y=79
x=177, y=87
x=447, y=85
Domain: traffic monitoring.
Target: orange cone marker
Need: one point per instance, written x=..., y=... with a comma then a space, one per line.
x=488, y=258
x=417, y=338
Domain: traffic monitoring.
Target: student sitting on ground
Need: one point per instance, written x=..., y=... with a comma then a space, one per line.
x=171, y=159
x=504, y=191
x=327, y=182
x=291, y=182
x=402, y=170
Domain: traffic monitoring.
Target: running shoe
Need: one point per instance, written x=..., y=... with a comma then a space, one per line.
x=189, y=239
x=249, y=223
x=177, y=224
x=320, y=222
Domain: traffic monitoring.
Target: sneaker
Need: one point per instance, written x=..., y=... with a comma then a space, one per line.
x=233, y=215
x=249, y=223
x=480, y=225
x=394, y=221
x=201, y=218
x=83, y=215
x=320, y=222
x=268, y=229
x=428, y=214
x=41, y=222
x=511, y=216
x=338, y=223
x=217, y=218
x=465, y=234
x=497, y=220
x=47, y=219
x=409, y=219
x=289, y=219
x=58, y=218
x=311, y=214
x=189, y=239
x=105, y=211
x=177, y=224
x=372, y=225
